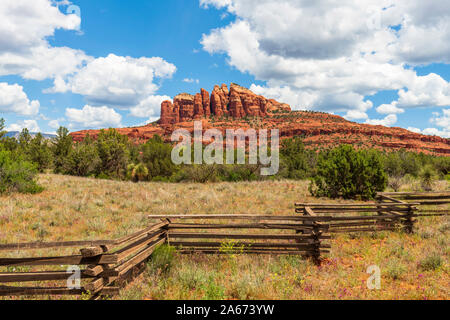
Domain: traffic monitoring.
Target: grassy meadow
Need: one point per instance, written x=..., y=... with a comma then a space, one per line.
x=412, y=266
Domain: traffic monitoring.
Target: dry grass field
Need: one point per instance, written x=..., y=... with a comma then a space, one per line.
x=412, y=266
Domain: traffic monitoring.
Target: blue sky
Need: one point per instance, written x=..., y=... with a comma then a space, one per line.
x=57, y=71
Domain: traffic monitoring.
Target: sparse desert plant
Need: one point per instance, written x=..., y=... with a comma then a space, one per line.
x=428, y=177
x=137, y=172
x=213, y=290
x=395, y=182
x=395, y=270
x=431, y=262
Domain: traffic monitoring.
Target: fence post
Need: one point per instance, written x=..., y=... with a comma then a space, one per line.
x=314, y=233
x=409, y=221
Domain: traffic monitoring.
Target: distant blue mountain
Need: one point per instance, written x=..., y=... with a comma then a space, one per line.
x=16, y=134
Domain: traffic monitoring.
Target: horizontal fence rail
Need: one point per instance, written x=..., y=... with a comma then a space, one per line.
x=368, y=217
x=421, y=199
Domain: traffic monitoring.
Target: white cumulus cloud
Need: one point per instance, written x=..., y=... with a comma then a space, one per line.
x=24, y=49
x=149, y=107
x=31, y=125
x=388, y=121
x=334, y=55
x=117, y=81
x=14, y=100
x=93, y=117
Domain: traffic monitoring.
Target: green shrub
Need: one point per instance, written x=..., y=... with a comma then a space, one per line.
x=38, y=152
x=114, y=152
x=347, y=173
x=235, y=173
x=157, y=157
x=427, y=177
x=17, y=175
x=213, y=291
x=295, y=159
x=137, y=172
x=394, y=270
x=62, y=147
x=442, y=166
x=431, y=262
x=198, y=173
x=83, y=160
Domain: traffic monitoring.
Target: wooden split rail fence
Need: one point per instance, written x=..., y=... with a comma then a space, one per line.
x=106, y=264
x=247, y=234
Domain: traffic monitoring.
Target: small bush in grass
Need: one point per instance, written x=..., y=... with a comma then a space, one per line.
x=213, y=291
x=431, y=262
x=162, y=258
x=192, y=278
x=394, y=270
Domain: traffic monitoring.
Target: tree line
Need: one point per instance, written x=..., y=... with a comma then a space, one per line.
x=339, y=172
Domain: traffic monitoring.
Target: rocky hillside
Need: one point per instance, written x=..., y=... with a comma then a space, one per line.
x=239, y=107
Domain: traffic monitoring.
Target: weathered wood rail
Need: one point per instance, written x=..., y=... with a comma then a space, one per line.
x=423, y=200
x=369, y=217
x=104, y=265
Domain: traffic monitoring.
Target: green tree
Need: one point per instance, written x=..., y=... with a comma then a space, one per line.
x=113, y=150
x=62, y=147
x=156, y=155
x=39, y=152
x=24, y=140
x=347, y=173
x=294, y=158
x=83, y=160
x=2, y=128
x=442, y=165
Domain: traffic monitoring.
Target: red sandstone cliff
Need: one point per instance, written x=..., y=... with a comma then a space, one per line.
x=237, y=102
x=238, y=107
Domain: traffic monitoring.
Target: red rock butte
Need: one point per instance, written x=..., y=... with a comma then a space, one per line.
x=238, y=107
x=237, y=102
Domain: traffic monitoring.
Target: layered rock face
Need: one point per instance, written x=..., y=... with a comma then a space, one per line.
x=319, y=130
x=236, y=102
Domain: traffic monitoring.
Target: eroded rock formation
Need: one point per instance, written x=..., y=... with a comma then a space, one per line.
x=236, y=102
